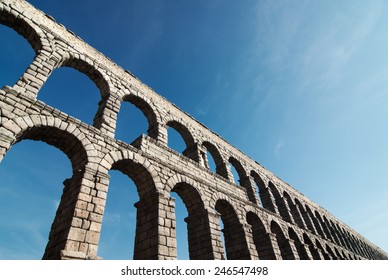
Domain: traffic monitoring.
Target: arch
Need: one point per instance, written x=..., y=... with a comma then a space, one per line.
x=90, y=69
x=331, y=253
x=265, y=194
x=218, y=160
x=16, y=55
x=284, y=245
x=294, y=211
x=313, y=250
x=198, y=228
x=191, y=150
x=339, y=255
x=261, y=238
x=306, y=217
x=148, y=111
x=24, y=27
x=300, y=247
x=320, y=247
x=240, y=170
x=243, y=179
x=315, y=221
x=147, y=225
x=235, y=240
x=73, y=143
x=334, y=236
x=323, y=226
x=48, y=129
x=280, y=203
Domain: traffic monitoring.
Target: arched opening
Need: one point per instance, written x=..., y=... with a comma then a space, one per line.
x=15, y=56
x=323, y=226
x=280, y=203
x=213, y=160
x=178, y=132
x=314, y=252
x=235, y=243
x=265, y=195
x=136, y=117
x=294, y=211
x=131, y=123
x=180, y=225
x=340, y=255
x=303, y=255
x=324, y=253
x=284, y=246
x=261, y=238
x=30, y=192
x=239, y=176
x=73, y=93
x=75, y=151
x=198, y=237
x=331, y=253
x=332, y=231
x=237, y=171
x=119, y=221
x=315, y=221
x=145, y=244
x=305, y=216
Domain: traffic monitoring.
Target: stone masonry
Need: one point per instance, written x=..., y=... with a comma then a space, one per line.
x=263, y=217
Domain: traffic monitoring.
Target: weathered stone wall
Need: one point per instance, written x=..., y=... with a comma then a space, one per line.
x=263, y=217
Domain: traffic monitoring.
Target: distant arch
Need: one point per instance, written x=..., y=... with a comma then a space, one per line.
x=260, y=237
x=281, y=205
x=294, y=210
x=303, y=255
x=235, y=240
x=218, y=160
x=313, y=250
x=284, y=245
x=191, y=149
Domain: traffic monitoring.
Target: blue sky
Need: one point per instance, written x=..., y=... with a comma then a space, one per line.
x=299, y=86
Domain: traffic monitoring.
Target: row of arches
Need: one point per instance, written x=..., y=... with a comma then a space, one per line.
x=51, y=55
x=270, y=238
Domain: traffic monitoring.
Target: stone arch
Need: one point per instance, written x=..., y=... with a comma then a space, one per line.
x=198, y=223
x=217, y=157
x=261, y=238
x=283, y=242
x=300, y=247
x=331, y=229
x=324, y=226
x=149, y=189
x=323, y=251
x=72, y=142
x=280, y=203
x=294, y=210
x=313, y=250
x=315, y=221
x=49, y=129
x=265, y=194
x=191, y=150
x=146, y=107
x=235, y=240
x=24, y=27
x=306, y=217
x=331, y=253
x=243, y=179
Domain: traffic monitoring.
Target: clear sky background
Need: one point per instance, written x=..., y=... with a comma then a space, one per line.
x=299, y=86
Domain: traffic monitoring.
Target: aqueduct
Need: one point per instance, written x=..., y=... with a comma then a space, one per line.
x=263, y=217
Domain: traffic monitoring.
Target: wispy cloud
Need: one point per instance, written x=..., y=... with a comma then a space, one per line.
x=278, y=148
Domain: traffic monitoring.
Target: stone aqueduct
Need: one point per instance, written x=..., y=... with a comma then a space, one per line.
x=272, y=221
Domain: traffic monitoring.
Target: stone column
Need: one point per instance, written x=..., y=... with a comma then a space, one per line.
x=202, y=245
x=155, y=228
